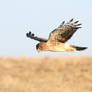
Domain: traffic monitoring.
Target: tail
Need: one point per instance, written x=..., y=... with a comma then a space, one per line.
x=79, y=48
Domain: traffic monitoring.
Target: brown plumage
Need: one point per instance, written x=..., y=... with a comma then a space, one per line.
x=58, y=37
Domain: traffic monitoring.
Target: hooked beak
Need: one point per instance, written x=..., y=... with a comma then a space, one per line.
x=38, y=50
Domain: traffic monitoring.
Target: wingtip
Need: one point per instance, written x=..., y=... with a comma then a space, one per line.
x=63, y=22
x=28, y=34
x=71, y=20
x=76, y=22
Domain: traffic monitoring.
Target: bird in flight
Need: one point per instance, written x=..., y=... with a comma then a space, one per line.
x=57, y=39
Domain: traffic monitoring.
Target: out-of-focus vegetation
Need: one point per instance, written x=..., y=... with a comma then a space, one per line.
x=46, y=74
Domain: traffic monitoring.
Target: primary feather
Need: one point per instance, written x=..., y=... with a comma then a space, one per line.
x=65, y=31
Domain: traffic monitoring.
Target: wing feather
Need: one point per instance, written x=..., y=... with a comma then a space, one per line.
x=65, y=31
x=31, y=35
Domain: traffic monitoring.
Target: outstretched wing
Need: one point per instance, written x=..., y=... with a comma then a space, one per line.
x=65, y=31
x=31, y=35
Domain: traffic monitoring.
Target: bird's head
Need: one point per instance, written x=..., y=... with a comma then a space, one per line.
x=40, y=46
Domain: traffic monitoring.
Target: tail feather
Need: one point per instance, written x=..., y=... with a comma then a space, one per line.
x=79, y=48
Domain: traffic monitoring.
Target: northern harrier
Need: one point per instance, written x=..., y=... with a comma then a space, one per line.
x=58, y=37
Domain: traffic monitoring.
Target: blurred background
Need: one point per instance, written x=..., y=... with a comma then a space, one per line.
x=17, y=17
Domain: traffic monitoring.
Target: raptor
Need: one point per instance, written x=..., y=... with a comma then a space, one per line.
x=58, y=37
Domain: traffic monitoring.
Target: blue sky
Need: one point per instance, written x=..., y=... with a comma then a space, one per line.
x=17, y=17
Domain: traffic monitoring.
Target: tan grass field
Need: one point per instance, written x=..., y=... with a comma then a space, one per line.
x=46, y=74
